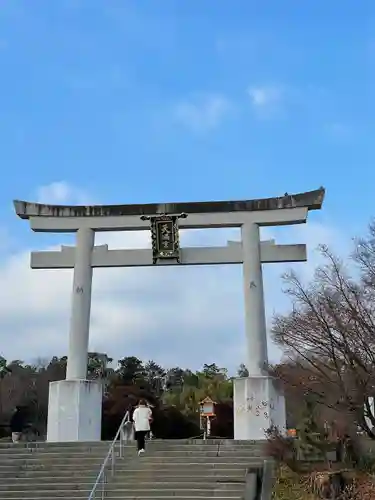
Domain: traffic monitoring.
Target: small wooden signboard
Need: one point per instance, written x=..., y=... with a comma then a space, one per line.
x=207, y=407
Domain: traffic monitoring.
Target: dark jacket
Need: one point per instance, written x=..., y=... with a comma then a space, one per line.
x=17, y=422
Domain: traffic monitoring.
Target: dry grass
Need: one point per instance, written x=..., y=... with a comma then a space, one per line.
x=365, y=488
x=292, y=486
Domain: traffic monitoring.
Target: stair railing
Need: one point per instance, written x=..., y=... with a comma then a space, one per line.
x=109, y=463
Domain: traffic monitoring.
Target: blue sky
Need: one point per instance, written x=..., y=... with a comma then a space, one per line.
x=138, y=101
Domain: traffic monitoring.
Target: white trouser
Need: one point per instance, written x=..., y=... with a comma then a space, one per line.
x=16, y=437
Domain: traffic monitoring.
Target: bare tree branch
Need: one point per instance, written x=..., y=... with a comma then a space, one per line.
x=329, y=334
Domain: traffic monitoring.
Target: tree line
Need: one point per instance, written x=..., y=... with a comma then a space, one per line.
x=175, y=393
x=328, y=341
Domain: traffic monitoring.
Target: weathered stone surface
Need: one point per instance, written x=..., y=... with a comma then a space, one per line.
x=313, y=200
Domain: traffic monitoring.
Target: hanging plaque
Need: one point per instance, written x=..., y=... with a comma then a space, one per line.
x=165, y=237
x=207, y=407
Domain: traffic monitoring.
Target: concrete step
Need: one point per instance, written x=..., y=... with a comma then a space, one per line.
x=56, y=455
x=45, y=482
x=184, y=461
x=151, y=446
x=178, y=469
x=38, y=463
x=193, y=453
x=158, y=490
x=169, y=497
x=121, y=474
x=66, y=451
x=104, y=446
x=209, y=483
x=56, y=470
x=187, y=481
x=39, y=477
x=152, y=459
x=121, y=470
x=219, y=463
x=35, y=494
x=127, y=493
x=53, y=462
x=45, y=486
x=155, y=492
x=128, y=452
x=78, y=496
x=163, y=442
x=44, y=444
x=197, y=474
x=127, y=466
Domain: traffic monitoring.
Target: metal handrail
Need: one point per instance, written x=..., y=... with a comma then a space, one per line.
x=110, y=459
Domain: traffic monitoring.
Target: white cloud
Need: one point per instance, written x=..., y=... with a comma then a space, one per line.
x=266, y=99
x=60, y=193
x=203, y=113
x=175, y=315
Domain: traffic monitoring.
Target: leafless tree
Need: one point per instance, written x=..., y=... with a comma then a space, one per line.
x=330, y=332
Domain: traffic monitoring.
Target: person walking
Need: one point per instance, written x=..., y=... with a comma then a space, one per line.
x=17, y=424
x=142, y=418
x=150, y=434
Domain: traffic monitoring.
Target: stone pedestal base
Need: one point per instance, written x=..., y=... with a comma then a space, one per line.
x=258, y=404
x=74, y=411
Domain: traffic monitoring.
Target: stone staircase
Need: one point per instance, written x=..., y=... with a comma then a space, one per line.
x=188, y=470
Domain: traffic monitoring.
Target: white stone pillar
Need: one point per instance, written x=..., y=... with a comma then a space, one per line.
x=75, y=404
x=74, y=411
x=258, y=402
x=81, y=306
x=255, y=316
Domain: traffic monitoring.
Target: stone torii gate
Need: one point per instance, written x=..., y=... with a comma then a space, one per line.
x=74, y=411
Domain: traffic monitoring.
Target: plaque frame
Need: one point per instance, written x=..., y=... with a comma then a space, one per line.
x=171, y=250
